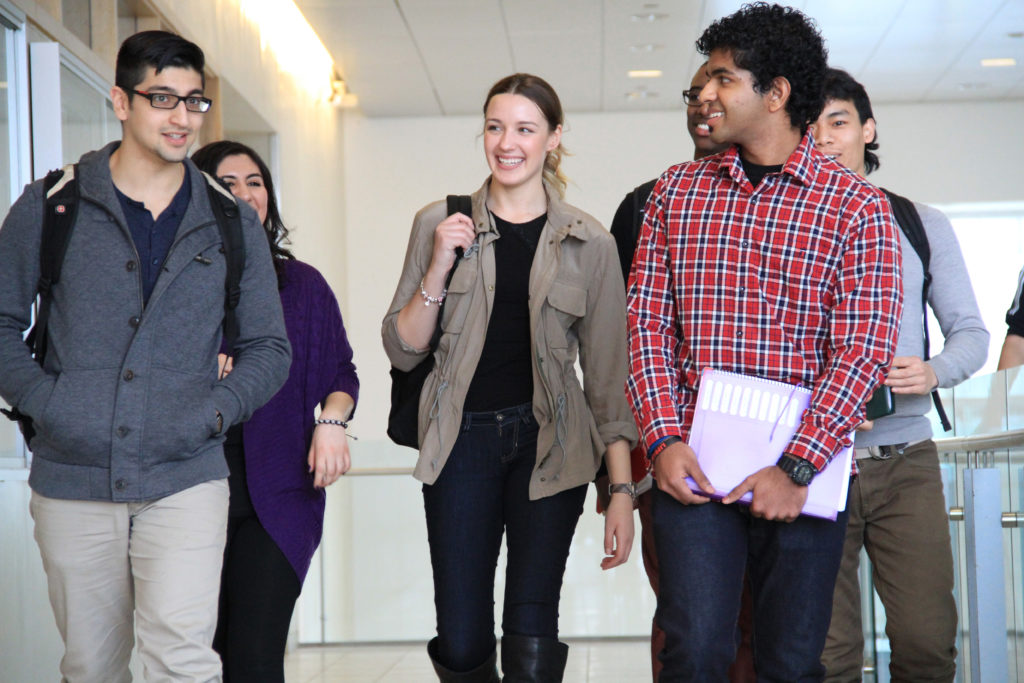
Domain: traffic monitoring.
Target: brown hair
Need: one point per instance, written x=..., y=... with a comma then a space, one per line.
x=540, y=92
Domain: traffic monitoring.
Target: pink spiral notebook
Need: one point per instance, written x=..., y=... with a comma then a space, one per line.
x=742, y=424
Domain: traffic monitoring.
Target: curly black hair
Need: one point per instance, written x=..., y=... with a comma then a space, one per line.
x=839, y=85
x=208, y=158
x=771, y=41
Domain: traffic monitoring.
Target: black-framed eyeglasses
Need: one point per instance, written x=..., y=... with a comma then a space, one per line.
x=166, y=100
x=692, y=97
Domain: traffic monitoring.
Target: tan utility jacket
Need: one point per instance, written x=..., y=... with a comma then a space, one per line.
x=577, y=307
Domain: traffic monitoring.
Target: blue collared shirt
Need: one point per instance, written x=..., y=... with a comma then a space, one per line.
x=153, y=238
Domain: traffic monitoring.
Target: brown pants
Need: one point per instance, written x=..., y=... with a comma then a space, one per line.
x=898, y=514
x=742, y=670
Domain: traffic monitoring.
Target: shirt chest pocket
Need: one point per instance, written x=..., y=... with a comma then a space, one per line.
x=567, y=303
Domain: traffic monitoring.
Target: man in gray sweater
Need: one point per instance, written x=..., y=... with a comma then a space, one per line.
x=896, y=505
x=129, y=491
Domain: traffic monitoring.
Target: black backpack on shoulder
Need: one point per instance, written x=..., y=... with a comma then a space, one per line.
x=60, y=209
x=911, y=225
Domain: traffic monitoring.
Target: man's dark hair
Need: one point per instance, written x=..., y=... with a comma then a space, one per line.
x=839, y=85
x=771, y=41
x=157, y=49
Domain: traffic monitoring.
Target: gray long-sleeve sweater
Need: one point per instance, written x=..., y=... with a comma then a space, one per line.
x=952, y=300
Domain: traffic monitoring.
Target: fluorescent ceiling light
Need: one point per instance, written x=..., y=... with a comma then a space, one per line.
x=645, y=73
x=648, y=16
x=999, y=61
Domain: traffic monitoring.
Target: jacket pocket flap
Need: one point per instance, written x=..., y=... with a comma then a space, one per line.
x=568, y=298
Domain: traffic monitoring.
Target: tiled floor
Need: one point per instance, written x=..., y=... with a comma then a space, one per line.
x=590, y=661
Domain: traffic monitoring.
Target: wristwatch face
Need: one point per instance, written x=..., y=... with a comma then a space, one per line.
x=798, y=469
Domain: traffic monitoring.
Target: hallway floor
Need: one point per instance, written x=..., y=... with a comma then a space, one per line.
x=590, y=661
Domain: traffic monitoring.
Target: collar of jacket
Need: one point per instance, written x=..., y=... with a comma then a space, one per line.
x=565, y=222
x=96, y=185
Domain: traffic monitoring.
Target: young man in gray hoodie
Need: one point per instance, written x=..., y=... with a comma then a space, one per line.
x=896, y=505
x=129, y=492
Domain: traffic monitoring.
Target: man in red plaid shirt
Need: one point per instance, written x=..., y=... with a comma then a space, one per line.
x=773, y=261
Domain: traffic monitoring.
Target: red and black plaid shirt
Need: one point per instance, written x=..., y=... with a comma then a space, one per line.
x=797, y=281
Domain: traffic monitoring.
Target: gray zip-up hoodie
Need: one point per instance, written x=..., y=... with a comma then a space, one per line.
x=125, y=408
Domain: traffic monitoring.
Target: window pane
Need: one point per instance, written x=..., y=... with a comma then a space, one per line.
x=6, y=102
x=87, y=117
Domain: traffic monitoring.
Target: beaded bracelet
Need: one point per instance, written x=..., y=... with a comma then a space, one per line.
x=339, y=423
x=427, y=299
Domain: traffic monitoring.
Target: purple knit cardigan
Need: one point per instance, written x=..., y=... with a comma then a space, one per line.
x=277, y=436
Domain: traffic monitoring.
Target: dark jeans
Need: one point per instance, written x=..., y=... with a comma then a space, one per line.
x=257, y=596
x=704, y=550
x=483, y=492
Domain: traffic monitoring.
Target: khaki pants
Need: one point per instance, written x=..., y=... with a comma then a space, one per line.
x=158, y=561
x=898, y=514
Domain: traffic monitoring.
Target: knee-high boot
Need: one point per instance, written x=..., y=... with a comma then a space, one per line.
x=485, y=673
x=526, y=659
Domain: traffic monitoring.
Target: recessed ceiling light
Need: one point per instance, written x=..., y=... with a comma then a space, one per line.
x=648, y=16
x=999, y=61
x=646, y=47
x=645, y=73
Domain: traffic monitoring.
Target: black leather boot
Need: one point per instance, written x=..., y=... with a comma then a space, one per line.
x=485, y=673
x=532, y=660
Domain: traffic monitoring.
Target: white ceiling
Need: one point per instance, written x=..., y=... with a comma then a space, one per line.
x=439, y=57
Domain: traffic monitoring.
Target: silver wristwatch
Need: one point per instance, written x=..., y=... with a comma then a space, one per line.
x=628, y=487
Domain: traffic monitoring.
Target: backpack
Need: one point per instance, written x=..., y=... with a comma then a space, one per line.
x=60, y=209
x=910, y=223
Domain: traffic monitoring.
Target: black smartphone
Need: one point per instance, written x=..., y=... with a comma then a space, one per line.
x=880, y=404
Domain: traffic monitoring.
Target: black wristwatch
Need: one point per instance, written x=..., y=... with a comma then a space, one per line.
x=798, y=469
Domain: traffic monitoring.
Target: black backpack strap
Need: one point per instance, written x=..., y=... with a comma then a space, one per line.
x=456, y=204
x=910, y=223
x=60, y=209
x=229, y=221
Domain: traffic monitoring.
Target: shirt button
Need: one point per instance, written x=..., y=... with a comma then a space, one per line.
x=543, y=478
x=156, y=262
x=120, y=484
x=739, y=333
x=129, y=375
x=130, y=266
x=744, y=244
x=122, y=431
x=134, y=321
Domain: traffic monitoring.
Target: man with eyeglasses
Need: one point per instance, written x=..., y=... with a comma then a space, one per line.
x=129, y=492
x=625, y=229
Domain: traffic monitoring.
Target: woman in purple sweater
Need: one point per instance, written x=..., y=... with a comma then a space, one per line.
x=282, y=458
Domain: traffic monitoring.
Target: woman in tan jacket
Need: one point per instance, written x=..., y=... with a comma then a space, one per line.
x=509, y=438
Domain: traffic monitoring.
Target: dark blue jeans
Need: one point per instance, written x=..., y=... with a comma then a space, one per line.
x=483, y=492
x=704, y=550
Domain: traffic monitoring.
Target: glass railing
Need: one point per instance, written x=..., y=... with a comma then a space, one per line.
x=982, y=463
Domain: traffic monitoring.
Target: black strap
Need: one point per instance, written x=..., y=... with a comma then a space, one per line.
x=229, y=221
x=60, y=208
x=457, y=203
x=910, y=223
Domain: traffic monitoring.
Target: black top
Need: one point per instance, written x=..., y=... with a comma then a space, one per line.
x=153, y=238
x=504, y=374
x=757, y=172
x=629, y=218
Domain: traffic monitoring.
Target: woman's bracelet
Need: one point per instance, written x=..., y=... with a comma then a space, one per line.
x=427, y=299
x=339, y=423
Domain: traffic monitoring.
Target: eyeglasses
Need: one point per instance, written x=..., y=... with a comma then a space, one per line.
x=165, y=100
x=692, y=97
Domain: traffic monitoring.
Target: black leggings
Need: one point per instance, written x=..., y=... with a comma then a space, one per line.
x=257, y=596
